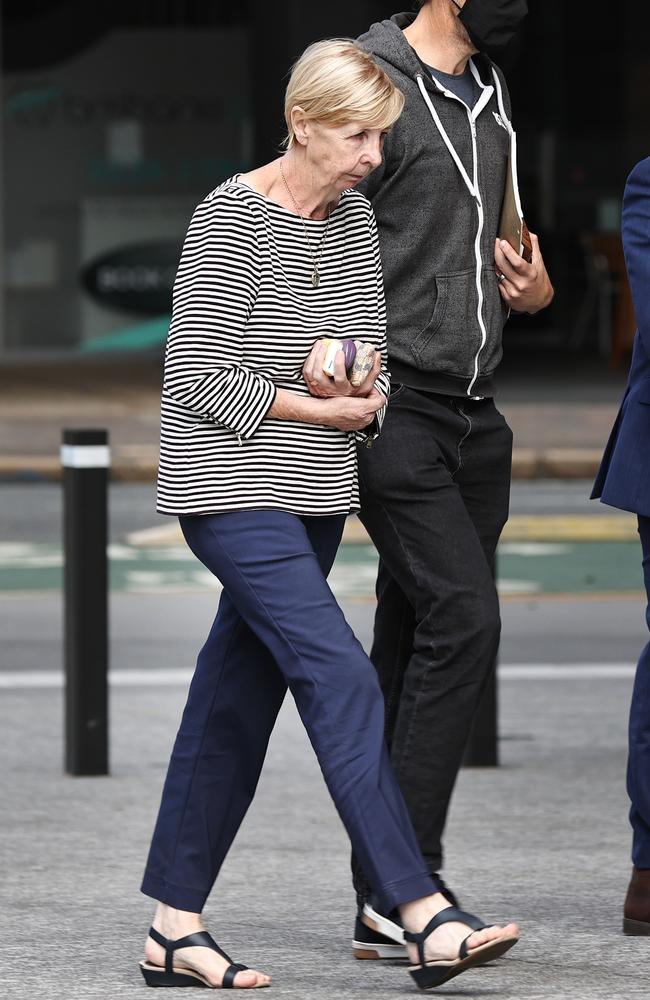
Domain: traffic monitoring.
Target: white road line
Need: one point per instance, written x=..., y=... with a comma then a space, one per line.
x=566, y=671
x=117, y=678
x=17, y=679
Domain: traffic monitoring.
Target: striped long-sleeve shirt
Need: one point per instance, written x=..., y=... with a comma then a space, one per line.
x=245, y=317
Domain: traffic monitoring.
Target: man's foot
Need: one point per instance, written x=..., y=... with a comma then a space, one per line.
x=636, y=913
x=371, y=944
x=210, y=965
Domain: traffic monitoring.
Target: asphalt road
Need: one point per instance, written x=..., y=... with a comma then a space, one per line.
x=567, y=604
x=33, y=512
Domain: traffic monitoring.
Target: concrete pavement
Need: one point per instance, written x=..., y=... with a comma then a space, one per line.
x=543, y=839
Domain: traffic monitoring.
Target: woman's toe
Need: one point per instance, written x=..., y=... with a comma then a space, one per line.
x=489, y=934
x=250, y=979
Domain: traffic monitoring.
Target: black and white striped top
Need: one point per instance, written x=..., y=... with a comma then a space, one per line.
x=245, y=317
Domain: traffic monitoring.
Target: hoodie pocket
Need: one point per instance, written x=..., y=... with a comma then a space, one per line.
x=495, y=312
x=448, y=343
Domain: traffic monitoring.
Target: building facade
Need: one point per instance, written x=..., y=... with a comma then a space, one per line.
x=118, y=120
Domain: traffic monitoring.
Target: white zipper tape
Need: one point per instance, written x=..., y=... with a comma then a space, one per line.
x=472, y=187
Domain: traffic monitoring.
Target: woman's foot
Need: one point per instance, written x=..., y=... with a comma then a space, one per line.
x=174, y=924
x=443, y=944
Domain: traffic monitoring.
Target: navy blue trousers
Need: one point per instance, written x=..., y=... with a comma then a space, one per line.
x=638, y=767
x=277, y=626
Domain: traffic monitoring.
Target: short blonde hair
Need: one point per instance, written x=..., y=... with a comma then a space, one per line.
x=336, y=82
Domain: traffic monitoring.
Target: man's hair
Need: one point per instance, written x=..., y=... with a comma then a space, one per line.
x=336, y=82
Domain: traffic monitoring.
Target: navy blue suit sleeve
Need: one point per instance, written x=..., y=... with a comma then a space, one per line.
x=636, y=245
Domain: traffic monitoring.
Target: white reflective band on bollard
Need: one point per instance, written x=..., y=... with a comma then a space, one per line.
x=85, y=456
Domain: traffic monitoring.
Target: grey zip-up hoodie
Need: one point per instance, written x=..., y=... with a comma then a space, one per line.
x=438, y=201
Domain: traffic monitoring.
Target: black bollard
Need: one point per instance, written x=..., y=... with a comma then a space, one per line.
x=85, y=461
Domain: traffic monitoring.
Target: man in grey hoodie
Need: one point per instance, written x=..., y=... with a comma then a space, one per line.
x=435, y=485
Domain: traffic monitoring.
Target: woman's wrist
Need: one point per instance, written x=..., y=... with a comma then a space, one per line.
x=294, y=406
x=317, y=410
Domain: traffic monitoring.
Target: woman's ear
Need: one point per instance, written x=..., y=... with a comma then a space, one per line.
x=300, y=125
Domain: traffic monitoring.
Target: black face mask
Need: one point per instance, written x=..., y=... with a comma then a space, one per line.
x=492, y=24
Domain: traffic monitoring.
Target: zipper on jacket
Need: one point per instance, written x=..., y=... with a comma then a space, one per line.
x=479, y=258
x=473, y=187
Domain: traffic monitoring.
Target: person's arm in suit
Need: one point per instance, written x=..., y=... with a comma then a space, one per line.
x=635, y=230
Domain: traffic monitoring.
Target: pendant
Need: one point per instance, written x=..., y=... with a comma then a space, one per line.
x=315, y=277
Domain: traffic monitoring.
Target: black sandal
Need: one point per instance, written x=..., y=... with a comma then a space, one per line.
x=428, y=975
x=169, y=976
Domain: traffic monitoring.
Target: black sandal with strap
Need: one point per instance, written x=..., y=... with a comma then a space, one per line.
x=169, y=976
x=428, y=975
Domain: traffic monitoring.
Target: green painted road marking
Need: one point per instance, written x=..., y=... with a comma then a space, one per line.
x=151, y=333
x=523, y=568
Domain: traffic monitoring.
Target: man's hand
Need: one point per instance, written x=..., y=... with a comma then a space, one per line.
x=326, y=387
x=525, y=287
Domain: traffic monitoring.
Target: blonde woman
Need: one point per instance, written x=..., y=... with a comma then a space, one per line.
x=262, y=475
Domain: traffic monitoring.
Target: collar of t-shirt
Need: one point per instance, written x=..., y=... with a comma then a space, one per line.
x=463, y=85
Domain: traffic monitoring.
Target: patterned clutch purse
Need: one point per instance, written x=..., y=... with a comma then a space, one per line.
x=359, y=358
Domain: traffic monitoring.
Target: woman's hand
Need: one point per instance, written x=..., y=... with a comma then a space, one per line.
x=348, y=413
x=324, y=386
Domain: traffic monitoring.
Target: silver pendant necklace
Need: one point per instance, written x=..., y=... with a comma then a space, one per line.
x=315, y=274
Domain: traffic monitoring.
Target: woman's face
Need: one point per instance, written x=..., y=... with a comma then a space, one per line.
x=343, y=155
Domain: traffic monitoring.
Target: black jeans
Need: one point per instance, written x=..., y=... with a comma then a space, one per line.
x=435, y=490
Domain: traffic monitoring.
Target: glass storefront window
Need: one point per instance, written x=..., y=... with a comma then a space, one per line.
x=106, y=153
